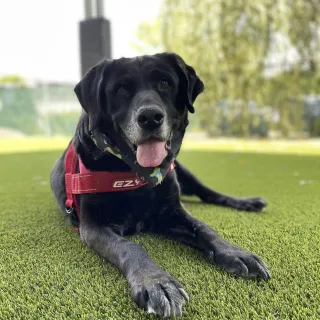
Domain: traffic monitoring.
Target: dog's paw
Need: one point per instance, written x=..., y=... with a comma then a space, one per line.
x=245, y=204
x=252, y=204
x=240, y=262
x=163, y=296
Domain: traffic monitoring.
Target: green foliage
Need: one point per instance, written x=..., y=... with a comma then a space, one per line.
x=315, y=127
x=12, y=79
x=233, y=45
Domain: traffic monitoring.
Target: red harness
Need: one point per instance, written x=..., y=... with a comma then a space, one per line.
x=87, y=181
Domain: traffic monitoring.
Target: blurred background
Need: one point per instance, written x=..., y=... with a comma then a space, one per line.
x=259, y=60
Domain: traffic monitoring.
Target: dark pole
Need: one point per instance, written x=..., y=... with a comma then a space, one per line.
x=95, y=36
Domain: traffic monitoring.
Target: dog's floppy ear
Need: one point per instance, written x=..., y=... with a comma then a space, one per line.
x=90, y=92
x=190, y=84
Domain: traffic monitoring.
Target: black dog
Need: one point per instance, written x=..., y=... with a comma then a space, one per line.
x=142, y=104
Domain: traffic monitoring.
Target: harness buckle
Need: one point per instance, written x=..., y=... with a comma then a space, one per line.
x=71, y=212
x=68, y=210
x=140, y=178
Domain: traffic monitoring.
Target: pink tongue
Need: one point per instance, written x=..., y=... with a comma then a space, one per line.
x=151, y=153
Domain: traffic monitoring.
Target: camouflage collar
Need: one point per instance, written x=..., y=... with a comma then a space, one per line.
x=127, y=154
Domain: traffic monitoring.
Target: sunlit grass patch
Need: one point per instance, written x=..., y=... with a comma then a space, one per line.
x=257, y=146
x=235, y=145
x=33, y=144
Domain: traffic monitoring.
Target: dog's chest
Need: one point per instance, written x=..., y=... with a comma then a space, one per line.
x=133, y=211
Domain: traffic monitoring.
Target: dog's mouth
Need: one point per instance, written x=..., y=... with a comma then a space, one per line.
x=152, y=152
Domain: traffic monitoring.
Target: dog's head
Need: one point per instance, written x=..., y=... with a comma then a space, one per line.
x=144, y=99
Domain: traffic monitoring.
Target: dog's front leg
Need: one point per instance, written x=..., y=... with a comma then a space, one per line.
x=180, y=225
x=152, y=288
x=190, y=185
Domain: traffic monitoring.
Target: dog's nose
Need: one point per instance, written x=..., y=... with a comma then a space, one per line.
x=150, y=117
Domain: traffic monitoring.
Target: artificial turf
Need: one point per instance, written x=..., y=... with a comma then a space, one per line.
x=47, y=273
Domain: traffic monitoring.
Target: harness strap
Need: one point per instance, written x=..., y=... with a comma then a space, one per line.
x=70, y=164
x=95, y=182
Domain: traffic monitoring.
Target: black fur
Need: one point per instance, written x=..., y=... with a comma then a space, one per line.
x=107, y=217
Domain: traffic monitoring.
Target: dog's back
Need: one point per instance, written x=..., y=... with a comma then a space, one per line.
x=57, y=181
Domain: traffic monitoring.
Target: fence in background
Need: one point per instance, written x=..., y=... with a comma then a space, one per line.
x=53, y=109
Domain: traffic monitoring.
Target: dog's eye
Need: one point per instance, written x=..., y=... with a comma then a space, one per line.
x=122, y=91
x=164, y=84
